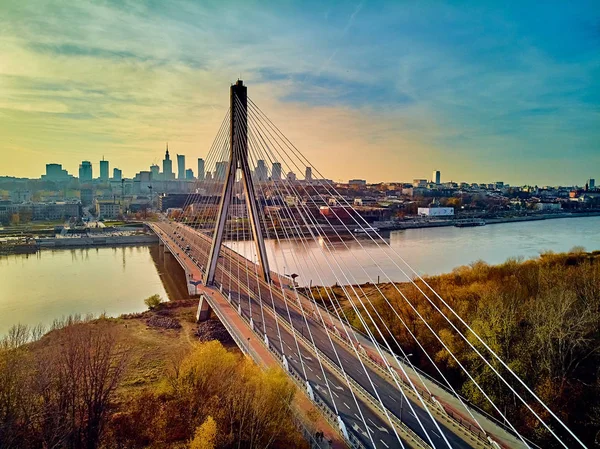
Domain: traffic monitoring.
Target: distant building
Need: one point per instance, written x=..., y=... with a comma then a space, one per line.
x=189, y=174
x=180, y=166
x=155, y=172
x=437, y=177
x=419, y=183
x=107, y=208
x=87, y=197
x=200, y=169
x=220, y=170
x=55, y=172
x=20, y=196
x=103, y=170
x=591, y=184
x=261, y=171
x=168, y=166
x=308, y=174
x=208, y=176
x=357, y=183
x=85, y=172
x=291, y=176
x=435, y=211
x=117, y=174
x=276, y=171
x=547, y=206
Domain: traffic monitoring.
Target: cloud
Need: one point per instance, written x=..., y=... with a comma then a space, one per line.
x=415, y=83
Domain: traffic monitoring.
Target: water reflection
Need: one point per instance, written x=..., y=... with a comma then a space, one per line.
x=36, y=288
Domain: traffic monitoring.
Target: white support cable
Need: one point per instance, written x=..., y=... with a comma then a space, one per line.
x=217, y=143
x=395, y=380
x=283, y=293
x=510, y=387
x=286, y=305
x=374, y=388
x=470, y=377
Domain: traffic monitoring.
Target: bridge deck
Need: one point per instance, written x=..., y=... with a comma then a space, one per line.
x=340, y=363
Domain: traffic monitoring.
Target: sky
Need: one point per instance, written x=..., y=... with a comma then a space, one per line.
x=380, y=90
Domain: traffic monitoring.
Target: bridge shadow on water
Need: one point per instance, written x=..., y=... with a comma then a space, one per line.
x=171, y=274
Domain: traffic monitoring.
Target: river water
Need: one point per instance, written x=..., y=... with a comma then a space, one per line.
x=50, y=284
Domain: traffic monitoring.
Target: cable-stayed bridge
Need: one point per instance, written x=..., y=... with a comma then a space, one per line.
x=363, y=383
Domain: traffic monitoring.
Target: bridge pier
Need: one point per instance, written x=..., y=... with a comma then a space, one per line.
x=203, y=312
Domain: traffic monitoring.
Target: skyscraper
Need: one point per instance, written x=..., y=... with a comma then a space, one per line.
x=261, y=171
x=436, y=178
x=180, y=166
x=189, y=174
x=103, y=170
x=308, y=174
x=117, y=174
x=155, y=171
x=220, y=169
x=200, y=169
x=276, y=172
x=591, y=184
x=167, y=166
x=85, y=171
x=55, y=172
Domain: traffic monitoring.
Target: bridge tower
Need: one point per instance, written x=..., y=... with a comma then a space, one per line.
x=238, y=159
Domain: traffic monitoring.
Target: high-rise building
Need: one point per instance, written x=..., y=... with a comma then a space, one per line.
x=437, y=177
x=85, y=171
x=167, y=166
x=208, y=176
x=103, y=170
x=220, y=170
x=276, y=172
x=155, y=172
x=308, y=174
x=117, y=174
x=189, y=174
x=55, y=172
x=591, y=184
x=180, y=166
x=200, y=169
x=261, y=171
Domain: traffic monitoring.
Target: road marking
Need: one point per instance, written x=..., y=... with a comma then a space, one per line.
x=335, y=394
x=319, y=377
x=436, y=434
x=381, y=429
x=392, y=398
x=383, y=442
x=309, y=368
x=347, y=405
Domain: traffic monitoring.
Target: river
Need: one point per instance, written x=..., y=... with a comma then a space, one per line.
x=50, y=284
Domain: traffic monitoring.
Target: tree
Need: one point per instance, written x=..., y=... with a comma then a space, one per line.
x=205, y=436
x=153, y=301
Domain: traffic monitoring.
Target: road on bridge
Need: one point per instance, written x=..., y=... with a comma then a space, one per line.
x=238, y=276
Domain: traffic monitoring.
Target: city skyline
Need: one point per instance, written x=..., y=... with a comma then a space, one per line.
x=263, y=173
x=371, y=90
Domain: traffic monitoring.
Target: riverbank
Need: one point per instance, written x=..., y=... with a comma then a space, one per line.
x=163, y=378
x=427, y=223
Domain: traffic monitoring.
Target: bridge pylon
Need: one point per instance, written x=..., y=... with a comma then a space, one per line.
x=238, y=160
